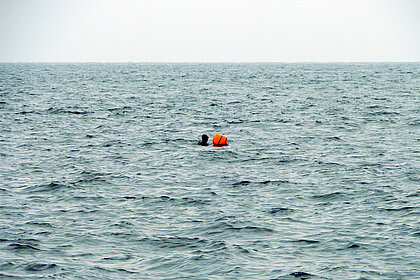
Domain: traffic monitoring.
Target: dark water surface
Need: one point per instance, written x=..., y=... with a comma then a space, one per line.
x=100, y=177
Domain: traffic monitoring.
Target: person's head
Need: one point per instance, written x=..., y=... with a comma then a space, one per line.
x=204, y=138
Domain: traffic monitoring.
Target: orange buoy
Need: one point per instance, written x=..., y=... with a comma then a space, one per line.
x=220, y=140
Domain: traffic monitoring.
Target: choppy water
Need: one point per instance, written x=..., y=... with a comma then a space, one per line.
x=101, y=177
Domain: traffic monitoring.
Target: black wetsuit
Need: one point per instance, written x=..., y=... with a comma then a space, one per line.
x=203, y=143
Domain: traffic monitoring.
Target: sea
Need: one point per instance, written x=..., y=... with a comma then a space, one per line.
x=101, y=176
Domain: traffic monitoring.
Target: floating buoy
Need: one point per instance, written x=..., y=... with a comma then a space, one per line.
x=220, y=140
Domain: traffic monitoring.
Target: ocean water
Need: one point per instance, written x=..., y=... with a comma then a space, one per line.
x=101, y=177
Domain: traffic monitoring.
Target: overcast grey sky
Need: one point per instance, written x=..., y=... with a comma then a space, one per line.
x=212, y=30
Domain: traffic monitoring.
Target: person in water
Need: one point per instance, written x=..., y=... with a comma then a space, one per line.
x=204, y=139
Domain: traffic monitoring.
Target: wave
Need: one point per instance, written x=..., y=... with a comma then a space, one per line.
x=22, y=247
x=50, y=187
x=275, y=210
x=178, y=242
x=329, y=196
x=165, y=199
x=40, y=266
x=52, y=110
x=222, y=227
x=307, y=241
x=245, y=182
x=406, y=208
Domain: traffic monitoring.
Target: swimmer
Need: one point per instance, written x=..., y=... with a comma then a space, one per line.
x=204, y=139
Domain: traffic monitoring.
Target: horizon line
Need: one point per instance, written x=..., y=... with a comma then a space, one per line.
x=215, y=62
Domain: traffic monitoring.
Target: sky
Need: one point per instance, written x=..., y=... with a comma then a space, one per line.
x=209, y=31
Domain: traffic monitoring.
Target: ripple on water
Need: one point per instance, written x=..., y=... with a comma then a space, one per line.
x=101, y=177
x=33, y=267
